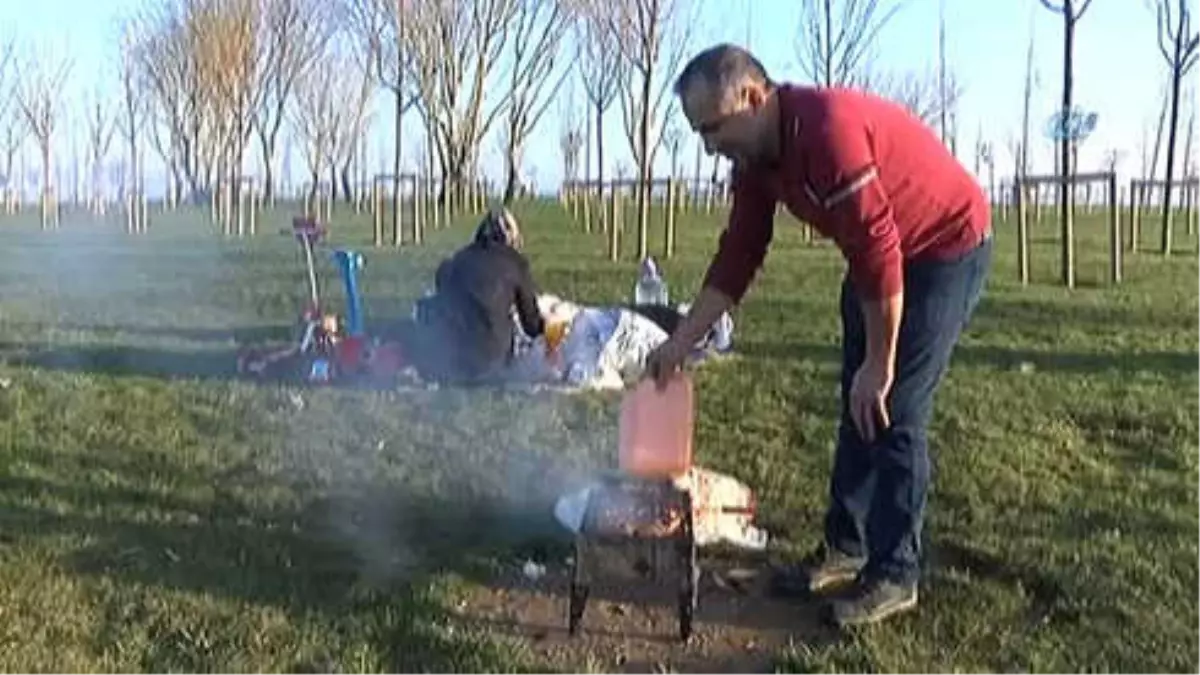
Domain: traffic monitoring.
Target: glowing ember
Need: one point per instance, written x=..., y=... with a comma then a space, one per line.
x=636, y=509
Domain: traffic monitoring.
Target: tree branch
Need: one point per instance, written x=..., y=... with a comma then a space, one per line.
x=1165, y=37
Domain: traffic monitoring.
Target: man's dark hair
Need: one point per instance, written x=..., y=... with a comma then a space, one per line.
x=722, y=67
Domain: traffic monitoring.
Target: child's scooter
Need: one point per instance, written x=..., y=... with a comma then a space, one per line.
x=321, y=353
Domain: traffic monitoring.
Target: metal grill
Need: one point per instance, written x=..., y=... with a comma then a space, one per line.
x=652, y=518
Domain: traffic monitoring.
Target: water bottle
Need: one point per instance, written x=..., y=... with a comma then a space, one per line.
x=651, y=288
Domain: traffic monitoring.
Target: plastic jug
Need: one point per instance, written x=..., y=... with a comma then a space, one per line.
x=651, y=288
x=656, y=428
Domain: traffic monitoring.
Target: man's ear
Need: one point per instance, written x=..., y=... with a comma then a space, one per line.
x=754, y=94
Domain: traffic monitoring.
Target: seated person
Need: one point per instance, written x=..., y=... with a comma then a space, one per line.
x=466, y=326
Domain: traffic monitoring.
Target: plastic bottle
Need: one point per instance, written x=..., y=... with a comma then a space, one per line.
x=651, y=288
x=722, y=333
x=656, y=428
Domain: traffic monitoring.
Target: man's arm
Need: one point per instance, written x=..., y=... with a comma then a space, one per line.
x=845, y=179
x=740, y=254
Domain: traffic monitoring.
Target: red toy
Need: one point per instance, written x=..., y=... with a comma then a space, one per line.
x=322, y=352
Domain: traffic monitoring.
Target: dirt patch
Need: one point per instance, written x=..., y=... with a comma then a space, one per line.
x=632, y=626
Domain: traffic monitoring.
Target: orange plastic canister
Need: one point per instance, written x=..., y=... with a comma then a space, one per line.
x=656, y=428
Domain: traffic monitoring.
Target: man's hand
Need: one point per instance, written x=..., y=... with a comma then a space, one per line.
x=868, y=400
x=668, y=357
x=873, y=381
x=666, y=360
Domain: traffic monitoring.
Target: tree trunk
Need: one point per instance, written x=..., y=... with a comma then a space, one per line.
x=510, y=178
x=47, y=183
x=828, y=43
x=604, y=219
x=1158, y=130
x=347, y=187
x=267, y=143
x=1067, y=170
x=1176, y=85
x=1023, y=167
x=313, y=191
x=644, y=167
x=397, y=154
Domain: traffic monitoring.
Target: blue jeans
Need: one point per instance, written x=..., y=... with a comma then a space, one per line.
x=878, y=491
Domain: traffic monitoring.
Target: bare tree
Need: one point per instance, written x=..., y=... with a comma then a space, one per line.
x=570, y=143
x=925, y=94
x=1071, y=14
x=132, y=115
x=1189, y=167
x=294, y=32
x=650, y=35
x=40, y=83
x=1022, y=160
x=101, y=127
x=12, y=126
x=7, y=48
x=13, y=133
x=384, y=31
x=1178, y=45
x=1112, y=157
x=456, y=48
x=946, y=109
x=321, y=95
x=540, y=26
x=227, y=37
x=600, y=68
x=167, y=38
x=673, y=140
x=836, y=37
x=351, y=119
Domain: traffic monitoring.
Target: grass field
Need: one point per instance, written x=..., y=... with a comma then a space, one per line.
x=156, y=514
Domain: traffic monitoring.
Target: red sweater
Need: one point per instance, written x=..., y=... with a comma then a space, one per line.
x=864, y=172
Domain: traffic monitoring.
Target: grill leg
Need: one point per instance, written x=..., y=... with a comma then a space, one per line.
x=690, y=575
x=580, y=589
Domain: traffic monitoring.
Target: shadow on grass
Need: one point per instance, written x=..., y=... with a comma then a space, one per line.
x=125, y=360
x=239, y=336
x=305, y=561
x=619, y=582
x=361, y=560
x=1047, y=596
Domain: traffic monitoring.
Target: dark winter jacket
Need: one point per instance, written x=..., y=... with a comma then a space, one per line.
x=469, y=318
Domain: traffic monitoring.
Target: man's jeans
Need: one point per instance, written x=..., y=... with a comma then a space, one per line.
x=878, y=491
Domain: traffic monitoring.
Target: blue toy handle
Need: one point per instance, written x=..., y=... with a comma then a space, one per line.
x=349, y=263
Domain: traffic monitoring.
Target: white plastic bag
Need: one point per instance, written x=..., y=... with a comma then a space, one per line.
x=604, y=348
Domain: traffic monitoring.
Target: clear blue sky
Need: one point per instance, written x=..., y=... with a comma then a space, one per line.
x=1119, y=71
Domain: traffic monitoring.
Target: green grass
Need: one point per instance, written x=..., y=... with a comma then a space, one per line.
x=157, y=515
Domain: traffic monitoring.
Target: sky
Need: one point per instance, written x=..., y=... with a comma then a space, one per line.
x=1119, y=73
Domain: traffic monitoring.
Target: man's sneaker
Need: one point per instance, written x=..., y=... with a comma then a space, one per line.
x=819, y=570
x=873, y=600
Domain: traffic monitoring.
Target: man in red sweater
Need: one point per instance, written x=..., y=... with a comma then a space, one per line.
x=914, y=228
